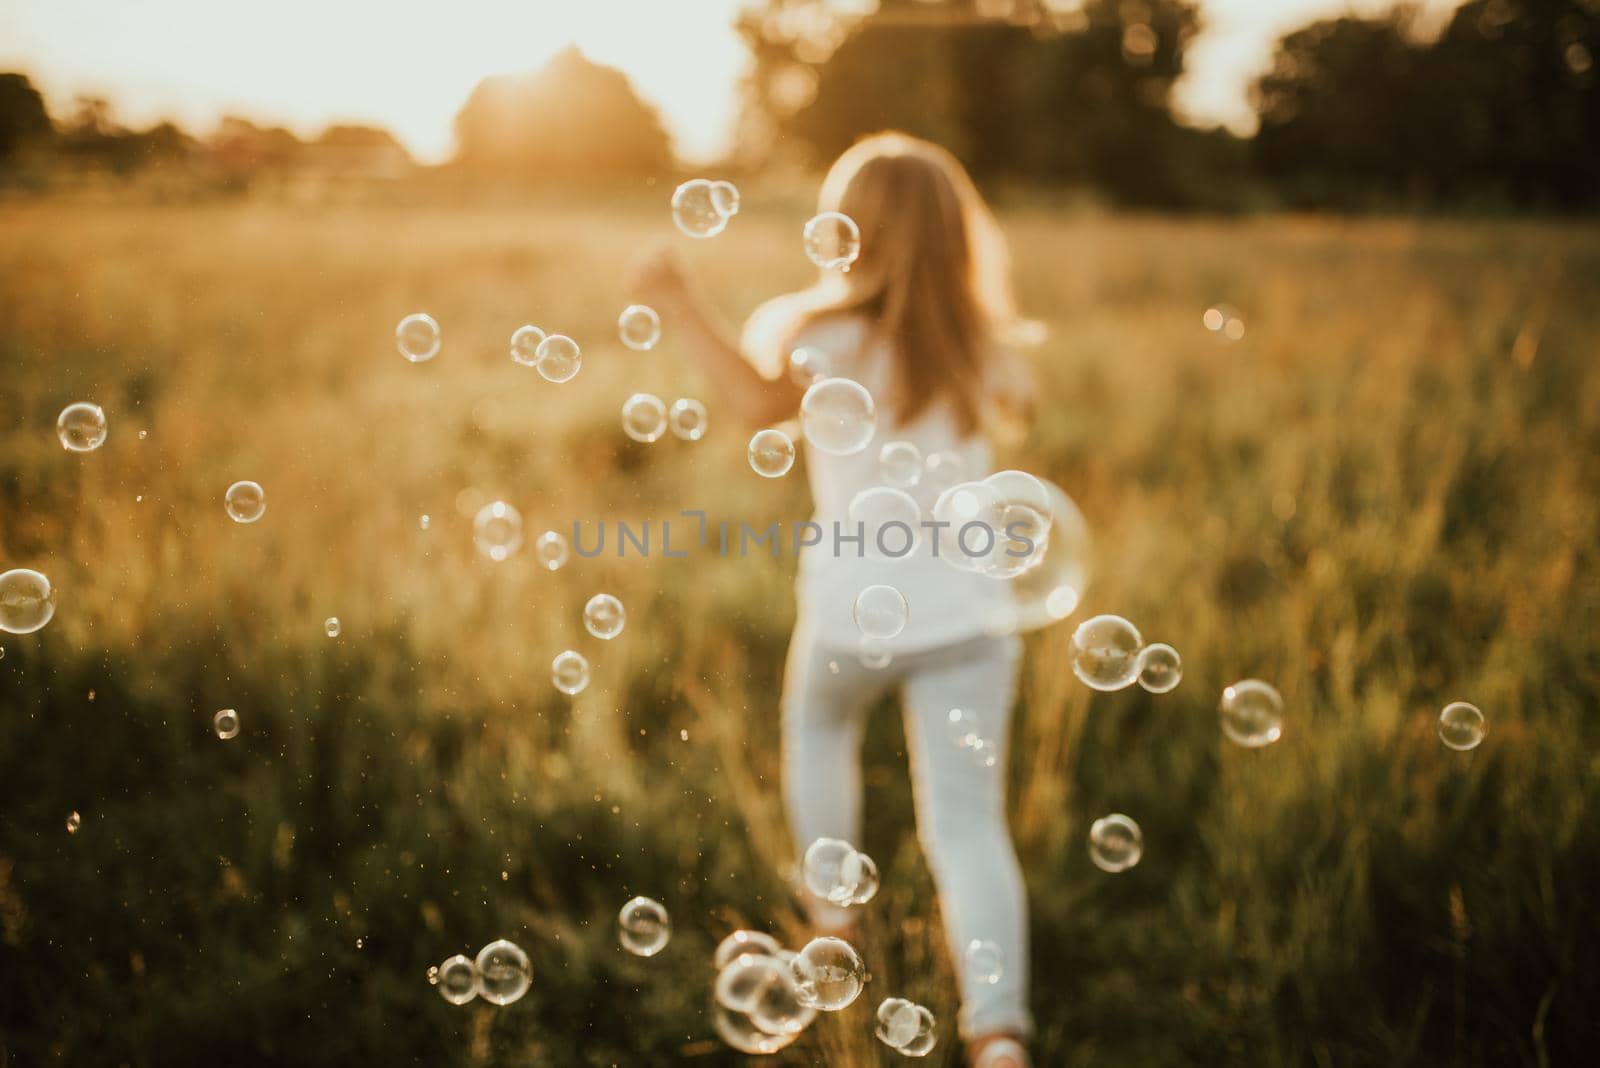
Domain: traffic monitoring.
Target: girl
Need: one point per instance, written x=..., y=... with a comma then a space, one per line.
x=917, y=320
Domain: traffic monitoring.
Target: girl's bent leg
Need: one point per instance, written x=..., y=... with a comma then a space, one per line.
x=961, y=820
x=825, y=695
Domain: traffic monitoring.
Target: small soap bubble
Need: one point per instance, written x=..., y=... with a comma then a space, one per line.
x=906, y=1027
x=643, y=927
x=226, y=724
x=967, y=733
x=900, y=464
x=1224, y=321
x=1251, y=713
x=245, y=501
x=639, y=327
x=143, y=434
x=687, y=418
x=570, y=672
x=830, y=870
x=941, y=471
x=497, y=530
x=984, y=961
x=865, y=873
x=890, y=521
x=1461, y=726
x=417, y=338
x=458, y=979
x=776, y=1006
x=874, y=654
x=881, y=611
x=739, y=1031
x=604, y=616
x=771, y=453
x=828, y=973
x=433, y=975
x=551, y=551
x=503, y=972
x=331, y=626
x=424, y=522
x=832, y=241
x=838, y=416
x=1160, y=667
x=1105, y=652
x=694, y=209
x=809, y=364
x=525, y=342
x=926, y=1038
x=81, y=427
x=27, y=601
x=644, y=417
x=558, y=358
x=1115, y=843
x=74, y=821
x=725, y=198
x=755, y=943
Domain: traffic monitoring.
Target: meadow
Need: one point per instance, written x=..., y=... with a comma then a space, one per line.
x=1384, y=497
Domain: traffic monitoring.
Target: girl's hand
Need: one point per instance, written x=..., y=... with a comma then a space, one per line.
x=660, y=277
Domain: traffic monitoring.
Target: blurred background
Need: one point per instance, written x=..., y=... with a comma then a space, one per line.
x=1379, y=491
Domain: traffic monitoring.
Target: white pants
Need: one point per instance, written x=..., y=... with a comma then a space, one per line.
x=960, y=798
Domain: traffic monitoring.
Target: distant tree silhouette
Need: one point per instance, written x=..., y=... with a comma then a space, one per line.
x=1503, y=103
x=24, y=122
x=571, y=117
x=1014, y=90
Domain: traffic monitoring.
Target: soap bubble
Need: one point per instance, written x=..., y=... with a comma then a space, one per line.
x=1105, y=652
x=1224, y=321
x=1115, y=843
x=1461, y=726
x=687, y=418
x=245, y=501
x=226, y=724
x=27, y=601
x=941, y=470
x=874, y=654
x=570, y=672
x=1050, y=590
x=503, y=971
x=558, y=358
x=458, y=979
x=921, y=1044
x=497, y=530
x=897, y=1022
x=890, y=521
x=525, y=342
x=738, y=1030
x=417, y=338
x=971, y=536
x=838, y=416
x=864, y=871
x=644, y=417
x=1251, y=713
x=643, y=927
x=966, y=730
x=771, y=453
x=725, y=198
x=754, y=943
x=881, y=611
x=331, y=626
x=742, y=982
x=1020, y=514
x=809, y=364
x=830, y=870
x=639, y=327
x=604, y=616
x=694, y=209
x=424, y=522
x=829, y=973
x=832, y=241
x=74, y=821
x=550, y=550
x=900, y=464
x=81, y=427
x=1160, y=667
x=984, y=961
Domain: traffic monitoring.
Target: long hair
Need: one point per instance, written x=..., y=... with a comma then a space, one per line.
x=933, y=276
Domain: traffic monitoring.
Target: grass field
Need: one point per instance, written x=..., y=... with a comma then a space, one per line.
x=1386, y=496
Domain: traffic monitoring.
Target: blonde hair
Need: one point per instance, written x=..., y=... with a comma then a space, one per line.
x=933, y=276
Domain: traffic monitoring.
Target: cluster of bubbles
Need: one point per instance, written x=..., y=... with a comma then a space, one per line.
x=837, y=872
x=500, y=975
x=702, y=207
x=643, y=927
x=1109, y=654
x=906, y=1027
x=765, y=995
x=1224, y=321
x=646, y=418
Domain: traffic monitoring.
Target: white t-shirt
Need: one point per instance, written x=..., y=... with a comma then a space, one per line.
x=947, y=605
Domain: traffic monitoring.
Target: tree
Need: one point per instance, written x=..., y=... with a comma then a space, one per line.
x=571, y=117
x=24, y=122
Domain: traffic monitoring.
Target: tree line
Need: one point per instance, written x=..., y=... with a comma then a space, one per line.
x=1495, y=106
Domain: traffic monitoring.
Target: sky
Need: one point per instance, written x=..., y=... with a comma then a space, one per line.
x=408, y=66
